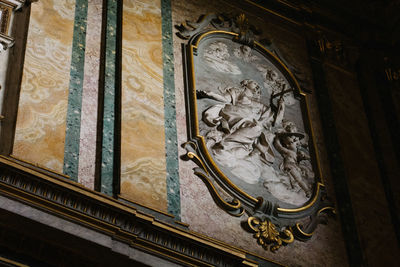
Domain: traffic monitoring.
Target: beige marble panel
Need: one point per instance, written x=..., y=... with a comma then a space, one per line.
x=143, y=166
x=40, y=130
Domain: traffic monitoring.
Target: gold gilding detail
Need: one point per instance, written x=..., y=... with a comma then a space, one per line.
x=192, y=155
x=267, y=235
x=298, y=227
x=308, y=205
x=332, y=209
x=11, y=262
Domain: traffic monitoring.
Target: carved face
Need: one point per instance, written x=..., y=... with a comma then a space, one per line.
x=245, y=50
x=218, y=50
x=252, y=86
x=290, y=127
x=271, y=75
x=291, y=142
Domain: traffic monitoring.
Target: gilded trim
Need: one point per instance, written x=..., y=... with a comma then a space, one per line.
x=13, y=263
x=298, y=228
x=309, y=204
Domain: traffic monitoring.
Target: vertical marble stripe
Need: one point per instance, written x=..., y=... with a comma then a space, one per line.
x=87, y=147
x=143, y=160
x=171, y=142
x=42, y=109
x=72, y=134
x=107, y=160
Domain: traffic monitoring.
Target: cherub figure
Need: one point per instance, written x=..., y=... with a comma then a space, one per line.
x=287, y=143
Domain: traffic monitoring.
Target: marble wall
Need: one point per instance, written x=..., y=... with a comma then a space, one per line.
x=57, y=115
x=143, y=162
x=40, y=130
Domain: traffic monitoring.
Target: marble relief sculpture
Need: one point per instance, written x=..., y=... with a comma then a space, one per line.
x=245, y=134
x=248, y=132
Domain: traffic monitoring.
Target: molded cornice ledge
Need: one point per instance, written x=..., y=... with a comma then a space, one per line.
x=5, y=42
x=77, y=204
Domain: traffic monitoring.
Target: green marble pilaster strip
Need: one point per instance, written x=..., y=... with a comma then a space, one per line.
x=171, y=140
x=72, y=135
x=107, y=154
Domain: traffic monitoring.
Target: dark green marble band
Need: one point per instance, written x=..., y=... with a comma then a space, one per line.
x=72, y=135
x=107, y=154
x=171, y=142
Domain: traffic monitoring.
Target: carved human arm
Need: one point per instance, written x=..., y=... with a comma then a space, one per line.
x=280, y=112
x=226, y=97
x=279, y=147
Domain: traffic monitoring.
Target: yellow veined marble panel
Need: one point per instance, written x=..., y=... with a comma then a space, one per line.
x=40, y=130
x=143, y=166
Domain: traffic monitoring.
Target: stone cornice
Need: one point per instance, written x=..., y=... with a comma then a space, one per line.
x=122, y=222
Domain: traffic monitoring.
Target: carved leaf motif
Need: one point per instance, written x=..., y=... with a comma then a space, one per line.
x=267, y=235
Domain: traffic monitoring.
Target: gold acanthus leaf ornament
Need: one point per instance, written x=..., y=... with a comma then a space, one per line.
x=267, y=235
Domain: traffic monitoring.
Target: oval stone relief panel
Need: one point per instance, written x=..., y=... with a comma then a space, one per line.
x=249, y=131
x=251, y=116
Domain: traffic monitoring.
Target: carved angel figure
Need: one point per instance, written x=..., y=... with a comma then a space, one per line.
x=241, y=125
x=244, y=52
x=217, y=56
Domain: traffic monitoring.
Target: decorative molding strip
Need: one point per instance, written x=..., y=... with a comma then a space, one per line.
x=5, y=42
x=124, y=223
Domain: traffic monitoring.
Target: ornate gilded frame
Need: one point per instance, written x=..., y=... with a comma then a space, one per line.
x=273, y=225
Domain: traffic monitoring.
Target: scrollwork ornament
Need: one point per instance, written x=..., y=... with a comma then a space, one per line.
x=267, y=234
